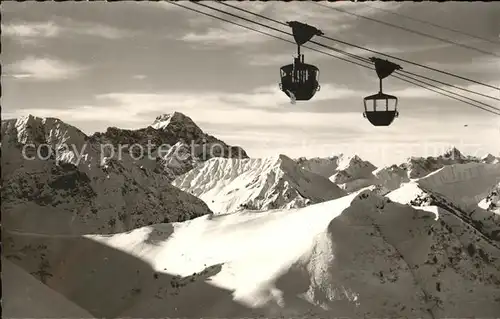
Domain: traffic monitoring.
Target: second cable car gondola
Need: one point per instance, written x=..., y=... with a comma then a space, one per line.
x=381, y=109
x=300, y=81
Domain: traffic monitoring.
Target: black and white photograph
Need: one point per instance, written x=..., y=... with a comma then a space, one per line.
x=250, y=159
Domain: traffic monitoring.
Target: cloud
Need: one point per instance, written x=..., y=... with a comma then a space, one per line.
x=98, y=30
x=219, y=107
x=280, y=59
x=246, y=119
x=297, y=134
x=265, y=106
x=362, y=9
x=483, y=65
x=350, y=133
x=271, y=97
x=391, y=49
x=328, y=20
x=216, y=32
x=43, y=69
x=265, y=98
x=268, y=59
x=222, y=33
x=230, y=36
x=201, y=21
x=31, y=32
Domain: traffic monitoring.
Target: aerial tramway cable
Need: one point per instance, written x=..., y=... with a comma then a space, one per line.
x=366, y=49
x=429, y=87
x=352, y=55
x=433, y=24
x=409, y=30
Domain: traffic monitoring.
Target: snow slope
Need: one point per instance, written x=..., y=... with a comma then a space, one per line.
x=26, y=297
x=464, y=189
x=358, y=256
x=492, y=201
x=464, y=184
x=228, y=185
x=77, y=186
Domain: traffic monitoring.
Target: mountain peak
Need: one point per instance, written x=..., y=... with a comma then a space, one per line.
x=351, y=162
x=285, y=162
x=489, y=159
x=34, y=129
x=452, y=153
x=164, y=120
x=283, y=157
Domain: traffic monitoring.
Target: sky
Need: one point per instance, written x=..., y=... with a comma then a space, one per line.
x=101, y=64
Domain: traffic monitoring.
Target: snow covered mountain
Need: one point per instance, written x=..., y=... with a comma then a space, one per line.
x=464, y=184
x=57, y=180
x=174, y=141
x=490, y=159
x=390, y=178
x=422, y=166
x=351, y=173
x=361, y=255
x=325, y=167
x=99, y=235
x=465, y=190
x=229, y=185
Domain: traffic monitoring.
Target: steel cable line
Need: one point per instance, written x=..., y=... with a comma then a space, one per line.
x=409, y=30
x=468, y=98
x=265, y=33
x=343, y=52
x=433, y=24
x=366, y=49
x=448, y=95
x=363, y=60
x=337, y=57
x=268, y=34
x=347, y=53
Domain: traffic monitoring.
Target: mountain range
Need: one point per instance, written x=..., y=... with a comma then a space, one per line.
x=98, y=231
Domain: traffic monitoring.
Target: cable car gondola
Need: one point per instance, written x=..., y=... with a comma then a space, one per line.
x=386, y=113
x=300, y=81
